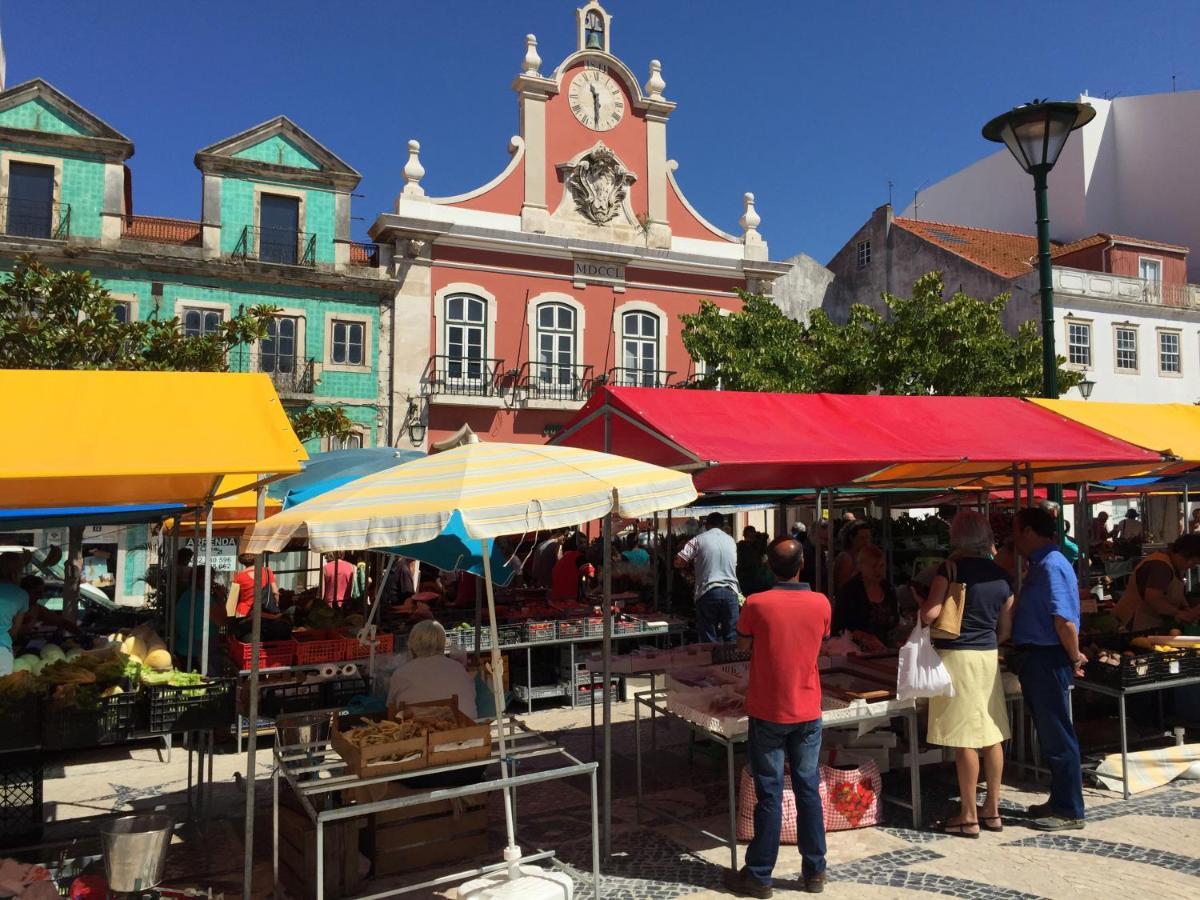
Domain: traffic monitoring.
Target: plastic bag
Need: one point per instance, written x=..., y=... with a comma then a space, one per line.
x=920, y=672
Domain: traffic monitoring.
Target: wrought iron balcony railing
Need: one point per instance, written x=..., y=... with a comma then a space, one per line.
x=462, y=376
x=277, y=245
x=290, y=375
x=554, y=381
x=364, y=255
x=623, y=376
x=160, y=230
x=36, y=218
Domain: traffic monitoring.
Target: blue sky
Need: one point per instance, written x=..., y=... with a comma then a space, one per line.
x=814, y=107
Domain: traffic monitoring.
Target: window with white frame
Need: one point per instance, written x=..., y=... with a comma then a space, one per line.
x=556, y=344
x=347, y=340
x=864, y=254
x=198, y=321
x=1127, y=348
x=123, y=311
x=277, y=353
x=1079, y=343
x=640, y=349
x=351, y=441
x=1170, y=361
x=1150, y=269
x=466, y=337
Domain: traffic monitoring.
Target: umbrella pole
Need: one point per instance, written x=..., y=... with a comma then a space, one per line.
x=657, y=554
x=818, y=547
x=479, y=610
x=511, y=852
x=208, y=539
x=1187, y=525
x=607, y=687
x=191, y=610
x=260, y=563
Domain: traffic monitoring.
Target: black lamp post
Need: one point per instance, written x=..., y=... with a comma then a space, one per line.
x=1035, y=134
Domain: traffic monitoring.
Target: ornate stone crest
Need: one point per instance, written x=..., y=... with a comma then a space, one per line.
x=599, y=185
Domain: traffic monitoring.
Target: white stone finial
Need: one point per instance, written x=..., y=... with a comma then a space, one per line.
x=533, y=62
x=655, y=84
x=414, y=171
x=750, y=219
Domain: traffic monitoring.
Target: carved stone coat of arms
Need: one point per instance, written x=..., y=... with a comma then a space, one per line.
x=599, y=185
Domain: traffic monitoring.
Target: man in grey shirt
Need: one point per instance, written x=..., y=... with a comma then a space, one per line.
x=712, y=554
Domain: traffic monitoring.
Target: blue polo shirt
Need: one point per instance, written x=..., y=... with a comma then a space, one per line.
x=1050, y=589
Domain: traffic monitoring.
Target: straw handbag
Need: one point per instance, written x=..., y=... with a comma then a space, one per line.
x=948, y=625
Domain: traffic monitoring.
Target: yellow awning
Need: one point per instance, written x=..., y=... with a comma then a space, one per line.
x=1169, y=428
x=108, y=438
x=236, y=509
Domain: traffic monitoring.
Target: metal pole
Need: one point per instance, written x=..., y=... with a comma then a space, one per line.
x=191, y=611
x=1083, y=527
x=1187, y=524
x=208, y=539
x=1045, y=284
x=818, y=547
x=172, y=592
x=656, y=555
x=479, y=617
x=607, y=687
x=1016, y=476
x=887, y=536
x=260, y=563
x=670, y=548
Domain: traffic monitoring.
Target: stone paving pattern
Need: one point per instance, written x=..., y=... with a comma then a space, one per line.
x=1147, y=846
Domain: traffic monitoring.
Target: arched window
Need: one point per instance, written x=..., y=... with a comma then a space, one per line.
x=639, y=349
x=556, y=346
x=466, y=338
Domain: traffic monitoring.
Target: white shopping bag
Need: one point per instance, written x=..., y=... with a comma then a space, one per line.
x=920, y=672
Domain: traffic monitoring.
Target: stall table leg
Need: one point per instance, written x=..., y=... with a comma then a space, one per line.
x=1124, y=745
x=729, y=767
x=275, y=827
x=914, y=766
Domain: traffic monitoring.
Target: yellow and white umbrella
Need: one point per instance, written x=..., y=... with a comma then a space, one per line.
x=498, y=488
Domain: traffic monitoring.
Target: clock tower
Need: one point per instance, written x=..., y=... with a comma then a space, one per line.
x=569, y=268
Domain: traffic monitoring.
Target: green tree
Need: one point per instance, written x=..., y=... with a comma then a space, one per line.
x=321, y=421
x=926, y=343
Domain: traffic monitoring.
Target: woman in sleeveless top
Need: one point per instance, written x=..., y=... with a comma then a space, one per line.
x=1154, y=597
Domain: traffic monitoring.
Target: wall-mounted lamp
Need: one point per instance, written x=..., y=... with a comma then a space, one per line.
x=1085, y=388
x=413, y=423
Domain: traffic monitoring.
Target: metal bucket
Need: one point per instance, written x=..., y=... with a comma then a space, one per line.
x=305, y=728
x=135, y=851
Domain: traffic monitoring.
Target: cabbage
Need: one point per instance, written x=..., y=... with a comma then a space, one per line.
x=52, y=653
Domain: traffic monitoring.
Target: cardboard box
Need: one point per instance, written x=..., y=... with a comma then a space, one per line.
x=298, y=856
x=377, y=759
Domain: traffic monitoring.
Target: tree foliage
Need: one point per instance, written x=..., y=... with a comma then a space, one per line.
x=926, y=343
x=322, y=421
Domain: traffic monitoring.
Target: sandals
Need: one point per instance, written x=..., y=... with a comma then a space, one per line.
x=998, y=823
x=958, y=829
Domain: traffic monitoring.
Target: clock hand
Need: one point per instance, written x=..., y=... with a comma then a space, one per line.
x=595, y=102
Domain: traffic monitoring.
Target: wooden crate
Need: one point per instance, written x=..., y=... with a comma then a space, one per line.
x=298, y=856
x=428, y=834
x=371, y=762
x=465, y=743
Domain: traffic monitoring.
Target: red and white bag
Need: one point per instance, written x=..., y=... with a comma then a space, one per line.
x=851, y=797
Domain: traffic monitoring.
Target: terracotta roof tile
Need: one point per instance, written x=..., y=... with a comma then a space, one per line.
x=1005, y=253
x=1081, y=244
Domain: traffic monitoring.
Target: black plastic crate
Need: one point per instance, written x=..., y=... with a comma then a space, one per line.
x=339, y=692
x=22, y=723
x=21, y=814
x=290, y=697
x=1145, y=668
x=115, y=719
x=174, y=709
x=510, y=634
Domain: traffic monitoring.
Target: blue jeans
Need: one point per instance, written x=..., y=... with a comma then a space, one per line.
x=798, y=747
x=1046, y=677
x=717, y=616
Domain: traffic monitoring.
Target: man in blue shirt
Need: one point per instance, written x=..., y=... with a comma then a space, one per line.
x=1046, y=631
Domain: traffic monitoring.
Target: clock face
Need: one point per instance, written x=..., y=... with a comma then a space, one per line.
x=596, y=100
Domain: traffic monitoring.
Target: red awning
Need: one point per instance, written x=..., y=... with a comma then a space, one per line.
x=737, y=441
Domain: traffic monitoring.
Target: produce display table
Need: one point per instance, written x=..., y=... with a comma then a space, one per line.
x=849, y=717
x=316, y=773
x=1120, y=693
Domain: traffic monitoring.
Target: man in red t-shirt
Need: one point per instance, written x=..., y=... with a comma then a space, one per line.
x=783, y=629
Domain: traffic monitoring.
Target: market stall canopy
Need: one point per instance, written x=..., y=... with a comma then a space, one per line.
x=738, y=441
x=454, y=551
x=325, y=471
x=1170, y=428
x=498, y=488
x=161, y=437
x=238, y=506
x=63, y=517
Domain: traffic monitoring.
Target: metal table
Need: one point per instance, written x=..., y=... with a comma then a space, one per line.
x=315, y=772
x=656, y=702
x=1120, y=693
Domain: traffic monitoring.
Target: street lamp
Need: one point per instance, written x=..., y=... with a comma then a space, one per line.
x=1035, y=134
x=1085, y=388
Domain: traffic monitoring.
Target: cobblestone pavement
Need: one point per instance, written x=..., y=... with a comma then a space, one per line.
x=1147, y=846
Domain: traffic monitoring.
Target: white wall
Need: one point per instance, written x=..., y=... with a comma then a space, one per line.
x=1133, y=170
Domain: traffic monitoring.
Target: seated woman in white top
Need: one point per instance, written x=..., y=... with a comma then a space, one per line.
x=430, y=674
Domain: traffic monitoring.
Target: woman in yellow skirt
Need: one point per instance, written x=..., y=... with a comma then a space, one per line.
x=975, y=720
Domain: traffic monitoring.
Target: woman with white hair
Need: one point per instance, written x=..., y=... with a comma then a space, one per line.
x=975, y=720
x=430, y=674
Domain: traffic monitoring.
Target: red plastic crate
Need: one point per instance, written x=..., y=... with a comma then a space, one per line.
x=271, y=654
x=352, y=649
x=319, y=646
x=540, y=631
x=570, y=628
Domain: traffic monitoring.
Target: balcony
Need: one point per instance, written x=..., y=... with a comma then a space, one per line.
x=561, y=382
x=364, y=255
x=460, y=376
x=160, y=230
x=292, y=376
x=1124, y=289
x=629, y=377
x=277, y=245
x=36, y=219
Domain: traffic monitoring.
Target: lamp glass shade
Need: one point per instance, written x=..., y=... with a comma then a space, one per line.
x=1036, y=134
x=1085, y=388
